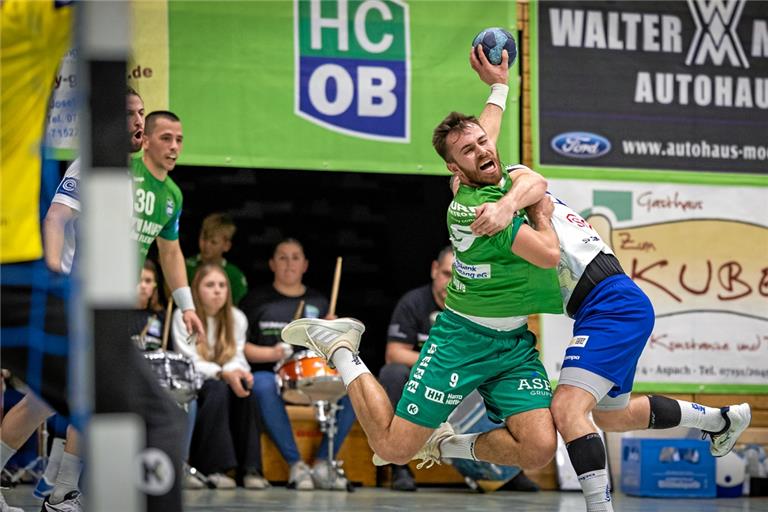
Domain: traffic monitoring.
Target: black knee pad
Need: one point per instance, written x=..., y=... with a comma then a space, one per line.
x=665, y=412
x=587, y=453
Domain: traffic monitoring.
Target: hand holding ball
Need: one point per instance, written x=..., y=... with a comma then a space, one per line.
x=494, y=40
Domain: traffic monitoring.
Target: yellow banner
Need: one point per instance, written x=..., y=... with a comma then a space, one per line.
x=148, y=64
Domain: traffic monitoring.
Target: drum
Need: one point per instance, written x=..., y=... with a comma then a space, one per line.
x=307, y=378
x=176, y=373
x=146, y=343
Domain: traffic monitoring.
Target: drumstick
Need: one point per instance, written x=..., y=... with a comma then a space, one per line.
x=335, y=289
x=167, y=326
x=299, y=310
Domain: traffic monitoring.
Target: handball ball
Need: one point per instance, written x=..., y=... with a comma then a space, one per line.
x=494, y=40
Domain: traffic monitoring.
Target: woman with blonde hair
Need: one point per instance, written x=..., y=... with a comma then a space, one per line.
x=225, y=437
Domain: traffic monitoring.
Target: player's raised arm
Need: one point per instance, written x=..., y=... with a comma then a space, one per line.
x=497, y=76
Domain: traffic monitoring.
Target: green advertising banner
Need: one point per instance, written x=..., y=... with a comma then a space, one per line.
x=353, y=85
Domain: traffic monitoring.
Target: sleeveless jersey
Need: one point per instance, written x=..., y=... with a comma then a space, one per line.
x=489, y=280
x=579, y=244
x=33, y=38
x=156, y=208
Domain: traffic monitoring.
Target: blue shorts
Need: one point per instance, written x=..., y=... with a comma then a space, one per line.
x=611, y=329
x=35, y=342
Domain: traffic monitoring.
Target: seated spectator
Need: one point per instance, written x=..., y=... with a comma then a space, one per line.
x=151, y=313
x=226, y=436
x=215, y=240
x=269, y=309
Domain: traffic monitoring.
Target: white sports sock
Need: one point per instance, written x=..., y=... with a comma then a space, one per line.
x=700, y=416
x=54, y=460
x=459, y=446
x=6, y=452
x=594, y=485
x=66, y=480
x=349, y=365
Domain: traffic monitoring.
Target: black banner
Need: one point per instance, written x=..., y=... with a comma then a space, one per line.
x=654, y=85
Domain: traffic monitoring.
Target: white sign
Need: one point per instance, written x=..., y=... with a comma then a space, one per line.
x=701, y=255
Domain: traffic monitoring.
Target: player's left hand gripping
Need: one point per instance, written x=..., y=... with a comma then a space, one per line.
x=487, y=72
x=490, y=219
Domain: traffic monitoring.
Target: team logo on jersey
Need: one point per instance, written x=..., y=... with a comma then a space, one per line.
x=462, y=237
x=434, y=395
x=394, y=331
x=535, y=386
x=70, y=187
x=578, y=341
x=412, y=386
x=412, y=409
x=353, y=66
x=69, y=184
x=482, y=271
x=169, y=206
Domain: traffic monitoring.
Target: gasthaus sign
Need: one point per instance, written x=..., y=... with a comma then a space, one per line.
x=652, y=85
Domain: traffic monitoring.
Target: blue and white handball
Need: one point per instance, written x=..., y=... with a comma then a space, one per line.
x=494, y=40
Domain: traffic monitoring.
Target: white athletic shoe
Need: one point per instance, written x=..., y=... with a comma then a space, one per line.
x=191, y=482
x=430, y=452
x=328, y=478
x=300, y=477
x=222, y=481
x=324, y=336
x=5, y=507
x=71, y=503
x=254, y=480
x=737, y=418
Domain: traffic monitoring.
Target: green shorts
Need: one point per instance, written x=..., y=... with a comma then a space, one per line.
x=461, y=356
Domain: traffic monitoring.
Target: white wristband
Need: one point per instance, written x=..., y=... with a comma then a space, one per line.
x=183, y=298
x=499, y=95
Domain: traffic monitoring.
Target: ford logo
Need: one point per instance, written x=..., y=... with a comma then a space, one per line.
x=581, y=145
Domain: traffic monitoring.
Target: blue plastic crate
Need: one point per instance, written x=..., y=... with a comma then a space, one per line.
x=667, y=468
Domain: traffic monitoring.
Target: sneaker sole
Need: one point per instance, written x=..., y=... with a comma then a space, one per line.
x=295, y=332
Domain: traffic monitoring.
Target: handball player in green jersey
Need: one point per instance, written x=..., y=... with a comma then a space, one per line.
x=481, y=340
x=157, y=207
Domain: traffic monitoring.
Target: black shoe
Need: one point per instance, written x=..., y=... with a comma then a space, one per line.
x=402, y=479
x=522, y=483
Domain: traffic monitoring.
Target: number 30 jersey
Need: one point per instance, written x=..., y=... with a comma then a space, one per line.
x=156, y=208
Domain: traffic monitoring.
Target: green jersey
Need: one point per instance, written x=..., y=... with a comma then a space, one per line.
x=489, y=280
x=156, y=208
x=237, y=281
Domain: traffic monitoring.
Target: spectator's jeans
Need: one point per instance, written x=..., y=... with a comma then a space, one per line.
x=267, y=398
x=393, y=377
x=191, y=418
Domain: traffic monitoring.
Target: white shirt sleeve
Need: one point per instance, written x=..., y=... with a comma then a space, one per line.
x=68, y=191
x=180, y=335
x=238, y=361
